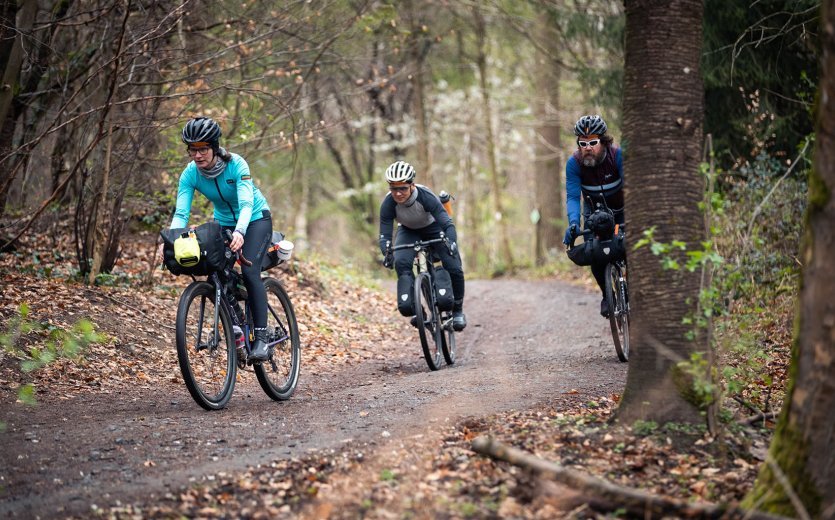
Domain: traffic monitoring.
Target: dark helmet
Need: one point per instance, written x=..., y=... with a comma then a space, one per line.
x=590, y=125
x=202, y=130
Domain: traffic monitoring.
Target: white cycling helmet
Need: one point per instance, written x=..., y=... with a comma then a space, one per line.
x=400, y=171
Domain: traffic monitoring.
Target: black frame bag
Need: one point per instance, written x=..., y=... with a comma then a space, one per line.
x=212, y=249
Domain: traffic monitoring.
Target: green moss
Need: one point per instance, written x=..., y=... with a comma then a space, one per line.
x=790, y=452
x=818, y=192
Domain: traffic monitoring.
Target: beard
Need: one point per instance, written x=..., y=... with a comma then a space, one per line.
x=591, y=160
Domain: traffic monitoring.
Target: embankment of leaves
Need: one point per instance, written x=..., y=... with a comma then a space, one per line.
x=337, y=317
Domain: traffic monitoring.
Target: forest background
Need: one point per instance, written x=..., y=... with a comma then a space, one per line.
x=320, y=97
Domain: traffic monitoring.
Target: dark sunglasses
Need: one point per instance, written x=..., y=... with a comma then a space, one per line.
x=399, y=188
x=588, y=144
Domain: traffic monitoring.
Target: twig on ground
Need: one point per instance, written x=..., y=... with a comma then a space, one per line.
x=761, y=416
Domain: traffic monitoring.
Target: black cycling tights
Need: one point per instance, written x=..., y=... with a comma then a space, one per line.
x=258, y=235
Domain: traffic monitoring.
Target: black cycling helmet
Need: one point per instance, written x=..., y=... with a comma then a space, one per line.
x=202, y=130
x=590, y=125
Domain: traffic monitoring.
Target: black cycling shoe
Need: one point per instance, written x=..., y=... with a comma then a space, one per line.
x=604, y=308
x=260, y=352
x=459, y=321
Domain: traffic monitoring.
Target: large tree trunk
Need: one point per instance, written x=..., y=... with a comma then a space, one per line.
x=548, y=185
x=801, y=450
x=663, y=131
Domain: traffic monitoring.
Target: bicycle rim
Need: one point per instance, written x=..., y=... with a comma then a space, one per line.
x=618, y=315
x=279, y=375
x=205, y=347
x=427, y=327
x=447, y=338
x=623, y=311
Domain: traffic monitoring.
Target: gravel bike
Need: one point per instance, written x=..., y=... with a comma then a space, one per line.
x=210, y=354
x=616, y=287
x=436, y=334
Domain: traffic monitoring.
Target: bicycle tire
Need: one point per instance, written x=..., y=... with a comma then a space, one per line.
x=618, y=310
x=209, y=368
x=428, y=328
x=447, y=339
x=279, y=375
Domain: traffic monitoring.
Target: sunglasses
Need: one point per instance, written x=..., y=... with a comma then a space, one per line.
x=588, y=144
x=400, y=189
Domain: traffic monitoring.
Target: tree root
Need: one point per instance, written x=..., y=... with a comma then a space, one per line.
x=610, y=497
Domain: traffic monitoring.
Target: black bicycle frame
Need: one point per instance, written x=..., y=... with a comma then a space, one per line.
x=220, y=299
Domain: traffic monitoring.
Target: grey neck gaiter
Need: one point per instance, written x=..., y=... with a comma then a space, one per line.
x=217, y=169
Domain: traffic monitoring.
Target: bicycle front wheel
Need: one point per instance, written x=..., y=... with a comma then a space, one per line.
x=279, y=375
x=447, y=338
x=205, y=347
x=428, y=322
x=616, y=298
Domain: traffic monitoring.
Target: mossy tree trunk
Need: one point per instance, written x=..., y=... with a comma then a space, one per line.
x=802, y=447
x=663, y=117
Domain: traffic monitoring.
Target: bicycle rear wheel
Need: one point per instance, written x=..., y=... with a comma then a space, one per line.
x=279, y=375
x=427, y=319
x=447, y=338
x=616, y=297
x=205, y=347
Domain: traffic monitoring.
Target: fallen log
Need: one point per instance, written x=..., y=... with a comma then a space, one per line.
x=634, y=501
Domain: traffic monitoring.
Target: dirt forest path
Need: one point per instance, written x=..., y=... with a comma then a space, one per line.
x=527, y=343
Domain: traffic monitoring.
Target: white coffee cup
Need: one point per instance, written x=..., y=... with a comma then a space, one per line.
x=285, y=249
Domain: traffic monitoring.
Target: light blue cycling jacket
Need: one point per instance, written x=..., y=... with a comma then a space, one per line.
x=236, y=200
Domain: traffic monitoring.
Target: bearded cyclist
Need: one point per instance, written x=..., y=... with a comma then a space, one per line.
x=593, y=174
x=421, y=216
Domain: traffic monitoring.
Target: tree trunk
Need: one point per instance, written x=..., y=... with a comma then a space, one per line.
x=801, y=451
x=548, y=184
x=487, y=112
x=419, y=48
x=11, y=59
x=663, y=128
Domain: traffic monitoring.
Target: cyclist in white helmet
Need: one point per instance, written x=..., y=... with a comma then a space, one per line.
x=420, y=216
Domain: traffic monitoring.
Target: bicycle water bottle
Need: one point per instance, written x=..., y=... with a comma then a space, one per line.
x=239, y=337
x=445, y=200
x=233, y=302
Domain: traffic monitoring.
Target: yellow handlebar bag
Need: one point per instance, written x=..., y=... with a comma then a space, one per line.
x=187, y=249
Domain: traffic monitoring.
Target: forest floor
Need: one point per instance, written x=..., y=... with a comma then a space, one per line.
x=370, y=432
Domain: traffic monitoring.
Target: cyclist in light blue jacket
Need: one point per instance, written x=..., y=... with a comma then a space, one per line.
x=239, y=206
